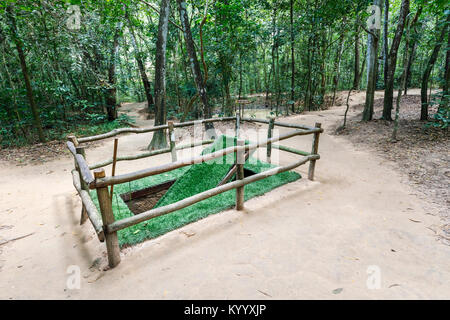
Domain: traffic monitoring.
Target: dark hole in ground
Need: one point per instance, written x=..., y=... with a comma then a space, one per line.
x=247, y=173
x=145, y=199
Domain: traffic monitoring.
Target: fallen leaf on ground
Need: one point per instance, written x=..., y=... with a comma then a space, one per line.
x=264, y=293
x=188, y=234
x=338, y=290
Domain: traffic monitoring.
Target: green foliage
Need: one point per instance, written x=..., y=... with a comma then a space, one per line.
x=246, y=47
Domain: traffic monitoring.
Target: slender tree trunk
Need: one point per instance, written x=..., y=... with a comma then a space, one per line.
x=159, y=137
x=392, y=61
x=385, y=40
x=427, y=72
x=111, y=99
x=372, y=70
x=413, y=46
x=356, y=77
x=402, y=84
x=195, y=66
x=26, y=76
x=140, y=63
x=292, y=56
x=446, y=86
x=337, y=67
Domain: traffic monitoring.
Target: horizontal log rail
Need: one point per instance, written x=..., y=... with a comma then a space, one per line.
x=291, y=150
x=91, y=209
x=86, y=174
x=282, y=124
x=149, y=154
x=116, y=132
x=130, y=221
x=103, y=182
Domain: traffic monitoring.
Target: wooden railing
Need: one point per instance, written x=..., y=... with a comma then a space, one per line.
x=105, y=224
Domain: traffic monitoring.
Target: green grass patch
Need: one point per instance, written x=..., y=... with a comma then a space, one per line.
x=191, y=180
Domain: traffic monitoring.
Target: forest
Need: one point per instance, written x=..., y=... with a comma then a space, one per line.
x=67, y=66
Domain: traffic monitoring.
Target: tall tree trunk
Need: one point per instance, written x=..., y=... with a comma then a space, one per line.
x=413, y=46
x=159, y=137
x=392, y=61
x=356, y=77
x=402, y=83
x=337, y=67
x=111, y=99
x=428, y=69
x=446, y=86
x=292, y=56
x=140, y=63
x=195, y=66
x=372, y=70
x=26, y=76
x=385, y=40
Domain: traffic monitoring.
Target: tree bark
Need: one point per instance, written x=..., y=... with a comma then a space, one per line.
x=392, y=61
x=140, y=63
x=385, y=40
x=356, y=77
x=292, y=56
x=372, y=70
x=195, y=66
x=413, y=50
x=111, y=100
x=159, y=137
x=337, y=67
x=446, y=86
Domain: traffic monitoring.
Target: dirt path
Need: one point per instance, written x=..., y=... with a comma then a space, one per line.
x=304, y=240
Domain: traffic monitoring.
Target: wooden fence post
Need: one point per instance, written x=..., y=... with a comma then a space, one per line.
x=80, y=150
x=240, y=161
x=84, y=186
x=315, y=150
x=269, y=135
x=238, y=125
x=173, y=149
x=112, y=242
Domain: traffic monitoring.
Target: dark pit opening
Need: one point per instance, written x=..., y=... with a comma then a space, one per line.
x=248, y=173
x=145, y=199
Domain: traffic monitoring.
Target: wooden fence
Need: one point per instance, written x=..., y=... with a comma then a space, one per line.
x=104, y=222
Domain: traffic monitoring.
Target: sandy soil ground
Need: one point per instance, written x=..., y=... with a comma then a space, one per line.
x=318, y=240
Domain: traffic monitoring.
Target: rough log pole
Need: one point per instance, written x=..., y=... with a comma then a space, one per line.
x=314, y=151
x=84, y=186
x=291, y=150
x=149, y=154
x=112, y=242
x=116, y=132
x=238, y=125
x=91, y=209
x=279, y=124
x=269, y=135
x=173, y=149
x=240, y=161
x=113, y=173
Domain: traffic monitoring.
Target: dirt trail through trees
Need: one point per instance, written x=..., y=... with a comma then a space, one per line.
x=356, y=222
